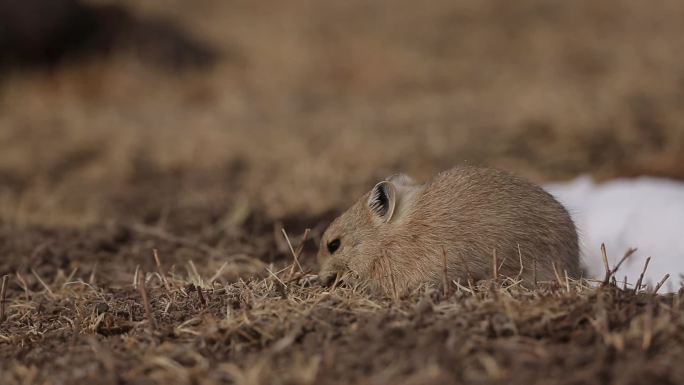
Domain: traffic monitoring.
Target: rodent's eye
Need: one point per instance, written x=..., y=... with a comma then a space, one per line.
x=333, y=245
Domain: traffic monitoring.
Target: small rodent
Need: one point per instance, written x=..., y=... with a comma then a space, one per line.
x=394, y=237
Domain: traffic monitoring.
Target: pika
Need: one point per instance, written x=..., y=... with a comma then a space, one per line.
x=395, y=236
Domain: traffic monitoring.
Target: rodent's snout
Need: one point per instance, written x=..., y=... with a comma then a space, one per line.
x=327, y=278
x=330, y=269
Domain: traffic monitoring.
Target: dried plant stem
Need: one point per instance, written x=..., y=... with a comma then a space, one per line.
x=203, y=301
x=24, y=286
x=146, y=301
x=160, y=271
x=275, y=276
x=91, y=279
x=338, y=279
x=135, y=276
x=503, y=262
x=610, y=273
x=495, y=266
x=218, y=273
x=3, y=297
x=47, y=288
x=294, y=254
x=555, y=272
x=660, y=284
x=604, y=254
x=300, y=248
x=641, y=276
x=623, y=259
x=521, y=264
x=494, y=290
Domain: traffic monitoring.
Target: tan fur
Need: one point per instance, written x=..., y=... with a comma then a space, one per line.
x=470, y=213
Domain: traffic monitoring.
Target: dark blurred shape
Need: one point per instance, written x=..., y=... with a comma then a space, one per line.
x=44, y=32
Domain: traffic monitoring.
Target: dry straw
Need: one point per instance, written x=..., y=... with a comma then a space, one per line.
x=252, y=325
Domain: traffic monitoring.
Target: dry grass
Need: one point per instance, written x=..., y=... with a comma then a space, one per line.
x=265, y=331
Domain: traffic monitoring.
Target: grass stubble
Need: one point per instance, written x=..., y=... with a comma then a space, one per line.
x=167, y=328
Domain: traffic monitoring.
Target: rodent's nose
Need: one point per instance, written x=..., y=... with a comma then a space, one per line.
x=327, y=278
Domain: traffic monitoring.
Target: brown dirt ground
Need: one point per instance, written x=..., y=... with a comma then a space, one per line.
x=105, y=158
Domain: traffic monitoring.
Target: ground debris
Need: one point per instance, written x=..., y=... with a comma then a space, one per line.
x=247, y=332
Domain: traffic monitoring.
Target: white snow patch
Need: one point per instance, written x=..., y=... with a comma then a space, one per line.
x=646, y=213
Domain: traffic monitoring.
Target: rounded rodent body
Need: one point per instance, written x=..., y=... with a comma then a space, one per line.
x=396, y=234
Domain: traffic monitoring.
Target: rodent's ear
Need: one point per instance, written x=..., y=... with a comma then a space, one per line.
x=382, y=200
x=401, y=180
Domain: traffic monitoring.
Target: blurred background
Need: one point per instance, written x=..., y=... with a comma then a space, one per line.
x=152, y=110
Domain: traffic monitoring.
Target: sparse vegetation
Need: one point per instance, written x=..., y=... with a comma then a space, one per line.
x=284, y=329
